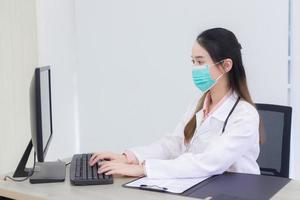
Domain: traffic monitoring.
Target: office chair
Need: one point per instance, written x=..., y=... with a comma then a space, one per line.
x=275, y=122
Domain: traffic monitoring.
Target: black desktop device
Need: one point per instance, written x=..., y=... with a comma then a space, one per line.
x=41, y=132
x=81, y=173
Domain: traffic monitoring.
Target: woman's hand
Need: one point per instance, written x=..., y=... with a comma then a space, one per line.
x=120, y=158
x=110, y=168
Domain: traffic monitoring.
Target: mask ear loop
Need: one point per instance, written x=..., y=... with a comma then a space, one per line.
x=216, y=81
x=222, y=73
x=220, y=76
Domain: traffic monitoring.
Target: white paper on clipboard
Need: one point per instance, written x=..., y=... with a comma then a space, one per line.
x=168, y=185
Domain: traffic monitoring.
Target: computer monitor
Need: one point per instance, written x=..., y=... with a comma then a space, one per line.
x=40, y=117
x=43, y=109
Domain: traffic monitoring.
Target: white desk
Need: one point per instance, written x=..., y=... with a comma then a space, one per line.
x=289, y=192
x=64, y=190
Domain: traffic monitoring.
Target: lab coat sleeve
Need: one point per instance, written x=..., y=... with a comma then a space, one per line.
x=169, y=146
x=240, y=135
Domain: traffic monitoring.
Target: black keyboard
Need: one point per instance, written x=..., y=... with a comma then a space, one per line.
x=81, y=173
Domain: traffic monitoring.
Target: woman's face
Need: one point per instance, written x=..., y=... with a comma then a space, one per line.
x=201, y=57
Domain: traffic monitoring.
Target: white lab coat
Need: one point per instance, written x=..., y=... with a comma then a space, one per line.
x=210, y=152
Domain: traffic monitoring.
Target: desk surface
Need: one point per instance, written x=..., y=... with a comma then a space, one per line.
x=64, y=190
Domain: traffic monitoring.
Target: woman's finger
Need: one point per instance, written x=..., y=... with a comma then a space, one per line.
x=101, y=156
x=114, y=172
x=110, y=166
x=107, y=168
x=92, y=158
x=104, y=168
x=96, y=159
x=109, y=163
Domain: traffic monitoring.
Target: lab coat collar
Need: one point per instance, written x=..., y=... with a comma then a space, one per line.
x=222, y=112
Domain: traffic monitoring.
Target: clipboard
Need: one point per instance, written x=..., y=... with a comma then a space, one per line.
x=175, y=186
x=230, y=185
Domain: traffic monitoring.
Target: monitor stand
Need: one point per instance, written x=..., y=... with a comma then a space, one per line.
x=21, y=170
x=47, y=172
x=44, y=172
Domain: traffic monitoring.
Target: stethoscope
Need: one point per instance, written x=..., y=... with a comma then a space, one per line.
x=232, y=109
x=225, y=122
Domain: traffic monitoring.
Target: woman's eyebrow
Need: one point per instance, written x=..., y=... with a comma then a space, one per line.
x=197, y=57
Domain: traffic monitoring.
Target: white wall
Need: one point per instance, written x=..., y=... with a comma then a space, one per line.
x=57, y=48
x=134, y=73
x=295, y=86
x=18, y=57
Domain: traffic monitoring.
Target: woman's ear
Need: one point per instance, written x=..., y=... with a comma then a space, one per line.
x=227, y=64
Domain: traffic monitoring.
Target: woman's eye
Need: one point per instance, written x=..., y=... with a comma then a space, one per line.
x=199, y=62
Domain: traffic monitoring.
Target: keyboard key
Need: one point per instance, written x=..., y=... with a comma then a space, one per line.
x=89, y=168
x=84, y=167
x=77, y=168
x=95, y=171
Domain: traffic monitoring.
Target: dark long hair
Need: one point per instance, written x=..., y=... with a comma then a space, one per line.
x=221, y=44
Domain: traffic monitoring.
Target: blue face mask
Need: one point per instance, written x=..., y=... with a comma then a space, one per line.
x=202, y=78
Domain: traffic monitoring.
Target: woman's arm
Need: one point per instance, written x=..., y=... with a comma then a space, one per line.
x=168, y=147
x=241, y=134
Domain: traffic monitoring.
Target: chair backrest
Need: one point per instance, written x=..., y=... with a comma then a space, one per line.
x=274, y=157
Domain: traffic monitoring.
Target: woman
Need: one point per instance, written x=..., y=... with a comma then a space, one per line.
x=220, y=130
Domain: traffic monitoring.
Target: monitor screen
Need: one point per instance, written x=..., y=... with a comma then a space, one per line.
x=43, y=111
